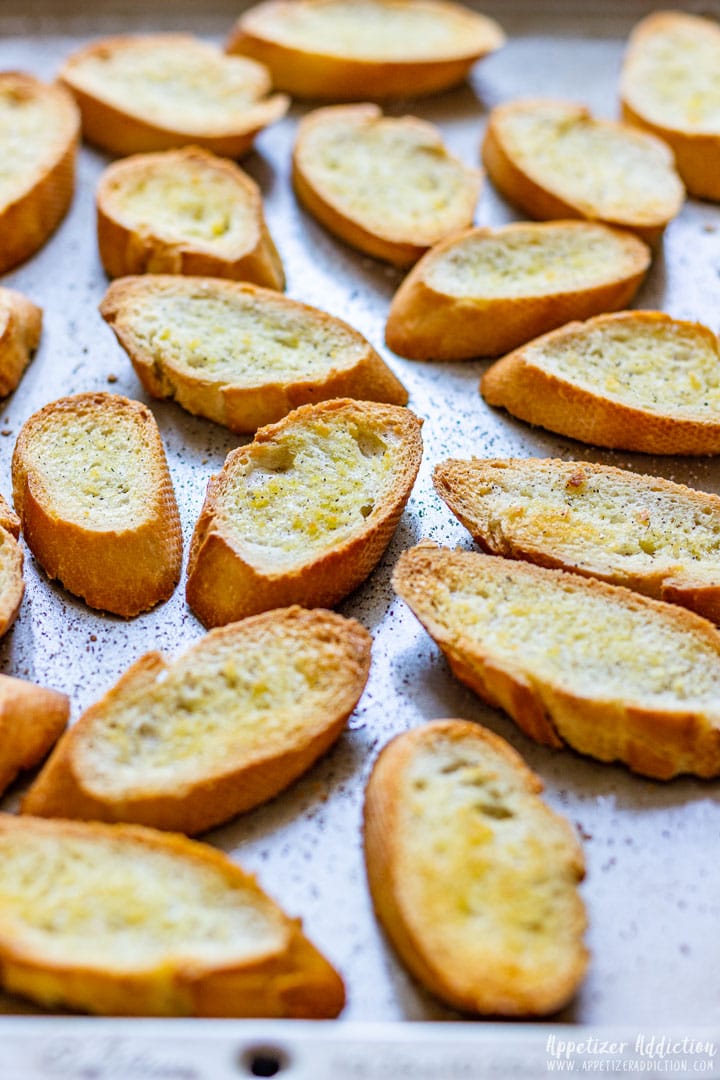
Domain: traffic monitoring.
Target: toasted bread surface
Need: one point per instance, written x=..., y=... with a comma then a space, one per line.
x=387, y=186
x=634, y=380
x=575, y=662
x=184, y=212
x=486, y=291
x=12, y=583
x=20, y=329
x=32, y=719
x=670, y=86
x=473, y=877
x=39, y=129
x=239, y=354
x=189, y=744
x=343, y=50
x=554, y=160
x=93, y=491
x=649, y=534
x=161, y=91
x=304, y=513
x=128, y=921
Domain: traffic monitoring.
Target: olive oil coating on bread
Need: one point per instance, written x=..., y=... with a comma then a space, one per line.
x=123, y=920
x=575, y=662
x=473, y=877
x=93, y=491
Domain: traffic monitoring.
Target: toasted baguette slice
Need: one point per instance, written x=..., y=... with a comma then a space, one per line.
x=649, y=534
x=232, y=722
x=574, y=661
x=32, y=719
x=553, y=160
x=12, y=583
x=184, y=212
x=486, y=291
x=304, y=513
x=387, y=186
x=473, y=877
x=342, y=50
x=39, y=131
x=636, y=380
x=20, y=329
x=96, y=502
x=238, y=354
x=161, y=91
x=122, y=920
x=670, y=86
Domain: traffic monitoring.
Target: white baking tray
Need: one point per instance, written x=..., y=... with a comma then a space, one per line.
x=653, y=884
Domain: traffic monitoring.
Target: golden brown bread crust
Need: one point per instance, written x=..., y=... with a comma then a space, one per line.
x=126, y=131
x=246, y=780
x=545, y=204
x=383, y=241
x=293, y=981
x=660, y=743
x=541, y=398
x=11, y=567
x=496, y=989
x=222, y=583
x=29, y=219
x=126, y=249
x=32, y=719
x=241, y=408
x=20, y=329
x=697, y=153
x=123, y=571
x=425, y=323
x=324, y=75
x=524, y=533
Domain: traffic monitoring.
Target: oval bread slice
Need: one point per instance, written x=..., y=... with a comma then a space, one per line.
x=343, y=50
x=575, y=662
x=39, y=131
x=643, y=532
x=232, y=722
x=32, y=719
x=184, y=212
x=20, y=329
x=473, y=877
x=160, y=91
x=238, y=354
x=385, y=185
x=486, y=291
x=304, y=513
x=635, y=380
x=670, y=86
x=552, y=159
x=121, y=920
x=93, y=491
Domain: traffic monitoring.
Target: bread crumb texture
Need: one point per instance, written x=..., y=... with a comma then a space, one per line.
x=183, y=197
x=659, y=364
x=94, y=464
x=532, y=260
x=241, y=696
x=599, y=519
x=376, y=29
x=488, y=874
x=672, y=75
x=171, y=80
x=239, y=337
x=310, y=488
x=592, y=641
x=610, y=171
x=97, y=902
x=33, y=133
x=393, y=176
